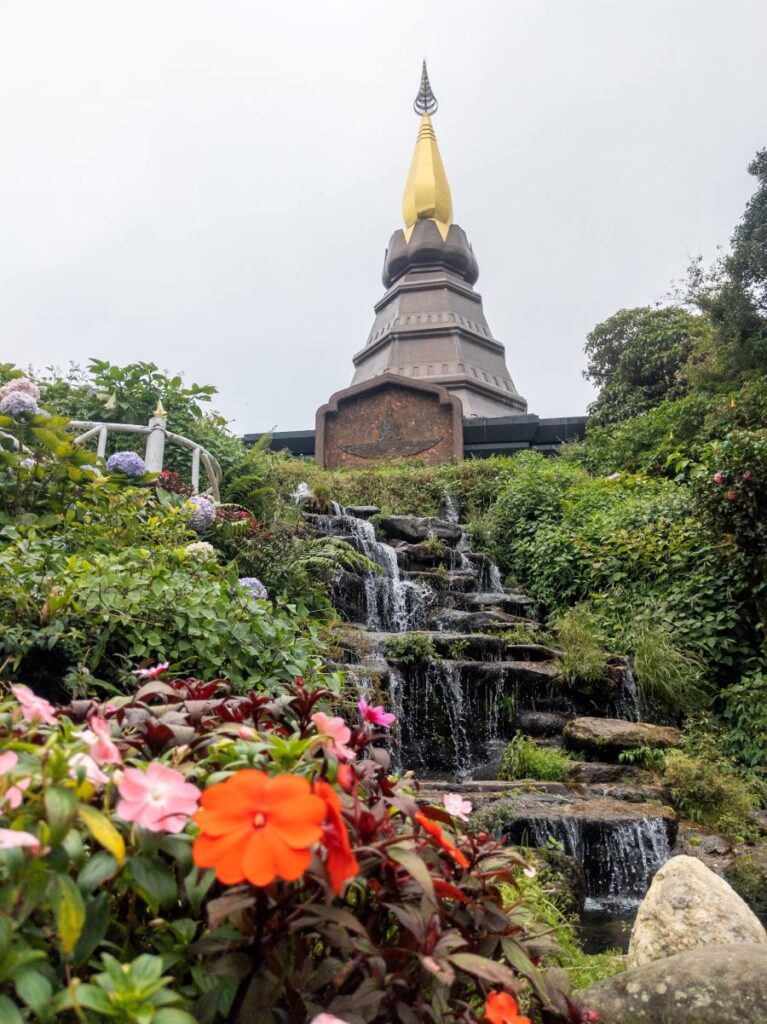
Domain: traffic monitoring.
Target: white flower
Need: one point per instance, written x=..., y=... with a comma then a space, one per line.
x=457, y=806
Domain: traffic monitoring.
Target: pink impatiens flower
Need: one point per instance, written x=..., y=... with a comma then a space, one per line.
x=158, y=799
x=10, y=838
x=457, y=806
x=339, y=733
x=718, y=478
x=14, y=794
x=376, y=715
x=32, y=706
x=84, y=764
x=102, y=748
x=151, y=673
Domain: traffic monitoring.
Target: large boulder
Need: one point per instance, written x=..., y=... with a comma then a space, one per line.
x=612, y=735
x=709, y=985
x=686, y=906
x=414, y=530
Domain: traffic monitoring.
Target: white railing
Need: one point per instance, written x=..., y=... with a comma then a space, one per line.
x=157, y=434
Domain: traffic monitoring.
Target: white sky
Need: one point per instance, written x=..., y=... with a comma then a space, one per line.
x=211, y=184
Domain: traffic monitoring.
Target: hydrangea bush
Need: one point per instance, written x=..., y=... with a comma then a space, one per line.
x=187, y=855
x=128, y=463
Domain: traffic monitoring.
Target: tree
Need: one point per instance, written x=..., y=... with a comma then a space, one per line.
x=638, y=358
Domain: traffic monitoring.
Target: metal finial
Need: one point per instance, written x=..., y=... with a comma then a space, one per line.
x=425, y=101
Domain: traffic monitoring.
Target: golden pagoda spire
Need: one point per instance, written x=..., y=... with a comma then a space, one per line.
x=427, y=193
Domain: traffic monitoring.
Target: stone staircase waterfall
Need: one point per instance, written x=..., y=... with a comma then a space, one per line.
x=435, y=635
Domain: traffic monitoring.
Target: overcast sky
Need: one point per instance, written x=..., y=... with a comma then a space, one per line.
x=211, y=184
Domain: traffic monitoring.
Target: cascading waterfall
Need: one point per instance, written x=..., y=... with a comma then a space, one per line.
x=619, y=858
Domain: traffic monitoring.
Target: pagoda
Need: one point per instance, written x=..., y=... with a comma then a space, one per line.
x=430, y=324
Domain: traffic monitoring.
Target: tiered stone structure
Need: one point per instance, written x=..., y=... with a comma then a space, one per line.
x=430, y=324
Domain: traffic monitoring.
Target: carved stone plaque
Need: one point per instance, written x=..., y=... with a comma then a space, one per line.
x=386, y=419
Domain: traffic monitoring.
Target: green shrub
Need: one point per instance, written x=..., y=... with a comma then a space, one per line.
x=668, y=678
x=541, y=896
x=411, y=649
x=524, y=759
x=709, y=791
x=580, y=636
x=745, y=713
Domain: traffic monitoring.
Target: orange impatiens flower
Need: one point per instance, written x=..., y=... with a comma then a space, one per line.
x=502, y=1008
x=257, y=828
x=341, y=862
x=442, y=841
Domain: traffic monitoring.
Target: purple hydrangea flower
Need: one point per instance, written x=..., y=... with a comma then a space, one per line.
x=126, y=462
x=18, y=403
x=254, y=588
x=28, y=463
x=201, y=513
x=20, y=385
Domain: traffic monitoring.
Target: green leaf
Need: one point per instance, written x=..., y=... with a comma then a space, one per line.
x=69, y=910
x=154, y=881
x=97, y=921
x=60, y=810
x=96, y=870
x=170, y=1015
x=34, y=989
x=103, y=831
x=9, y=1012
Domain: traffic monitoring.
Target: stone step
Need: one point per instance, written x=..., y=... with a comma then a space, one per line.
x=414, y=529
x=453, y=581
x=512, y=603
x=479, y=621
x=494, y=789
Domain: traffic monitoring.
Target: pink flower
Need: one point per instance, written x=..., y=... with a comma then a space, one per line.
x=84, y=764
x=14, y=794
x=151, y=673
x=718, y=478
x=376, y=715
x=529, y=872
x=10, y=838
x=339, y=733
x=731, y=495
x=32, y=706
x=747, y=475
x=327, y=1018
x=457, y=806
x=102, y=747
x=158, y=799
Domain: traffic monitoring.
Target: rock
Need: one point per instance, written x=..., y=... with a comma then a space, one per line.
x=362, y=511
x=716, y=850
x=747, y=874
x=709, y=985
x=532, y=652
x=414, y=530
x=614, y=735
x=686, y=906
x=424, y=553
x=600, y=771
x=478, y=622
x=541, y=723
x=511, y=603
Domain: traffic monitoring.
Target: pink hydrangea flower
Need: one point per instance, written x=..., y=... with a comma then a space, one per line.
x=10, y=838
x=32, y=706
x=14, y=794
x=159, y=799
x=457, y=806
x=84, y=763
x=339, y=733
x=376, y=715
x=102, y=748
x=151, y=673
